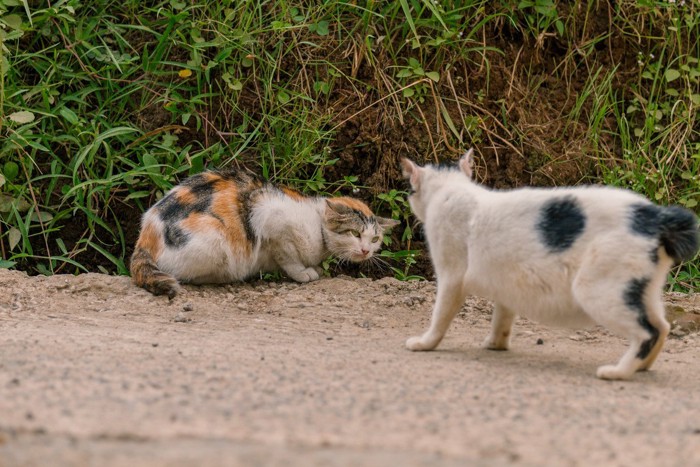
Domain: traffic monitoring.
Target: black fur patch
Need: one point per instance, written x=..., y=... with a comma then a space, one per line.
x=245, y=205
x=634, y=299
x=175, y=237
x=679, y=233
x=645, y=219
x=203, y=190
x=561, y=222
x=674, y=226
x=171, y=209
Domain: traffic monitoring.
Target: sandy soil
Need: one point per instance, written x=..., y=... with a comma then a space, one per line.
x=94, y=371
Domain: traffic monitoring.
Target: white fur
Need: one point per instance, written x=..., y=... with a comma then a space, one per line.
x=486, y=243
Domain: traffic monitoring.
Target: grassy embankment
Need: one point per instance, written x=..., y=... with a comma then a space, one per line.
x=105, y=105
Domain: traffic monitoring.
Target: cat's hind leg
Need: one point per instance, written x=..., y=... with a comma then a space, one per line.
x=631, y=309
x=450, y=297
x=501, y=326
x=656, y=317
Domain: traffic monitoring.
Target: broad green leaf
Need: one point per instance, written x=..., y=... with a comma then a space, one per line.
x=7, y=202
x=408, y=92
x=14, y=236
x=322, y=28
x=61, y=246
x=5, y=264
x=434, y=75
x=11, y=170
x=672, y=74
x=13, y=21
x=150, y=163
x=283, y=97
x=41, y=216
x=69, y=115
x=23, y=116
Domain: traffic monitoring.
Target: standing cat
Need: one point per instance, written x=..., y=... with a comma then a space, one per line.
x=220, y=227
x=570, y=256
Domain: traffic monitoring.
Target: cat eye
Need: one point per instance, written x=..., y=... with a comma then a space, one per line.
x=375, y=239
x=354, y=233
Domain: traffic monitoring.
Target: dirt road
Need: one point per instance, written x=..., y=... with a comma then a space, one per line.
x=96, y=372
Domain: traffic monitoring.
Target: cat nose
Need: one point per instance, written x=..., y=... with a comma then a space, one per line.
x=364, y=251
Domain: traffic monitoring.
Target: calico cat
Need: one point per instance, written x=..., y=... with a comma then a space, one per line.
x=568, y=256
x=220, y=227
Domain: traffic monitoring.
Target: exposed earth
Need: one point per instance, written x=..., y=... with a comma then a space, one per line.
x=94, y=371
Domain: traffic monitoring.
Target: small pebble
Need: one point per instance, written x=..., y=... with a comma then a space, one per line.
x=540, y=342
x=187, y=307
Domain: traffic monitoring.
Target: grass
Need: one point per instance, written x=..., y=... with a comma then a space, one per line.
x=105, y=105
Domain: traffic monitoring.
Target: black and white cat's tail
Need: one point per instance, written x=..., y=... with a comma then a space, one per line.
x=145, y=273
x=679, y=233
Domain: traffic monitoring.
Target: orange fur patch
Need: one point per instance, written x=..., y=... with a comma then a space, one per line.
x=294, y=194
x=353, y=203
x=198, y=222
x=185, y=196
x=210, y=176
x=224, y=206
x=150, y=240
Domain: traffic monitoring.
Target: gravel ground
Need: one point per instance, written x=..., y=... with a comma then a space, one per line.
x=96, y=372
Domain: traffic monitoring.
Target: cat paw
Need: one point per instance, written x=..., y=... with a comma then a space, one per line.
x=306, y=275
x=496, y=344
x=612, y=372
x=417, y=343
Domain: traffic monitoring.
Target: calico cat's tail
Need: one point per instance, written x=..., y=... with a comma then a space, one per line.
x=679, y=233
x=145, y=273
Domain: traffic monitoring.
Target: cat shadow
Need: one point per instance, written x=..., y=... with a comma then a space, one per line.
x=537, y=363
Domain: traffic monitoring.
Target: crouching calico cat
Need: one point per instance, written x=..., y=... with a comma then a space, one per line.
x=220, y=227
x=568, y=256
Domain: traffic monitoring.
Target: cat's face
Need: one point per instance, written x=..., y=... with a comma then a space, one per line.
x=353, y=233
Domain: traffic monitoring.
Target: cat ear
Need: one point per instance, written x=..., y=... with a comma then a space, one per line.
x=336, y=209
x=386, y=223
x=411, y=172
x=466, y=162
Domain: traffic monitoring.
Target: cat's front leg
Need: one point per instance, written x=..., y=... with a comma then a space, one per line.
x=501, y=325
x=450, y=297
x=294, y=268
x=301, y=273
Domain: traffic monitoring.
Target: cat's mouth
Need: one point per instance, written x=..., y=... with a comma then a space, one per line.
x=359, y=257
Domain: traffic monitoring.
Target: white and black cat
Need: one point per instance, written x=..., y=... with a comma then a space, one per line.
x=568, y=256
x=219, y=227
